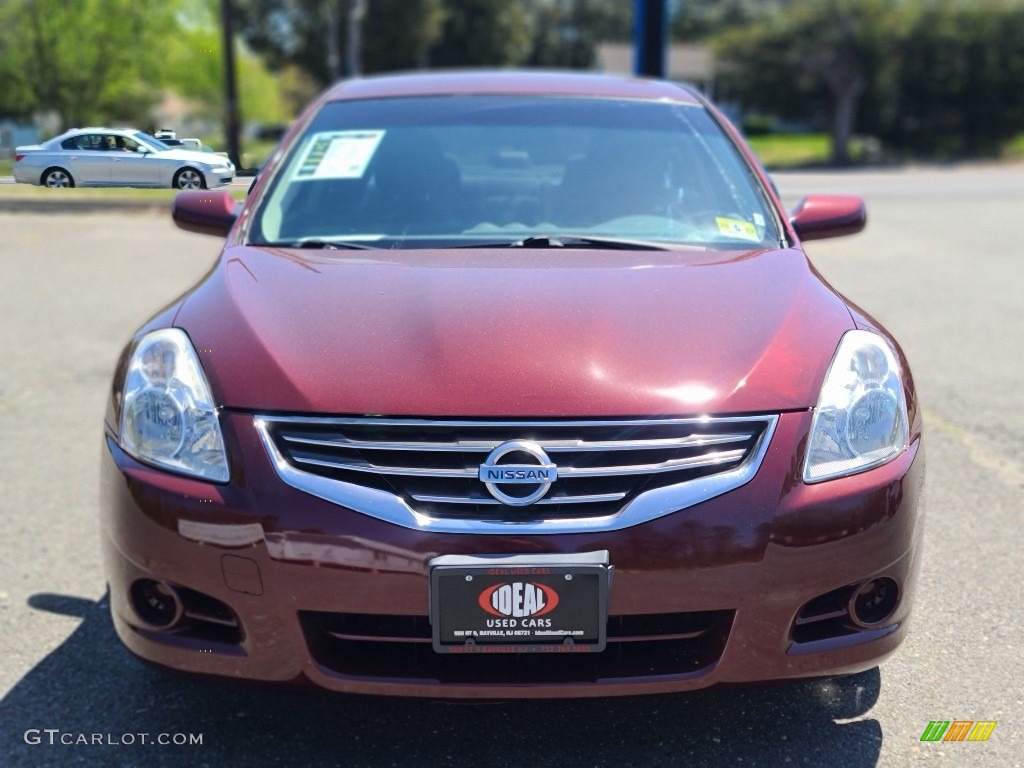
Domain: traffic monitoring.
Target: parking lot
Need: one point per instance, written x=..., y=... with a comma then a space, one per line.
x=939, y=265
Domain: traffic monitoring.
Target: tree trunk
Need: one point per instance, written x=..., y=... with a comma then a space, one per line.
x=844, y=118
x=354, y=49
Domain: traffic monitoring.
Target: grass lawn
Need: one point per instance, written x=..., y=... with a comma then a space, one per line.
x=776, y=151
x=793, y=150
x=27, y=191
x=788, y=150
x=1014, y=150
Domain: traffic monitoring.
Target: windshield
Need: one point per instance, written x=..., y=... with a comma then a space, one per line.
x=150, y=141
x=493, y=170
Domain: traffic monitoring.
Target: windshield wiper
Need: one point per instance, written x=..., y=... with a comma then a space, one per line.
x=325, y=245
x=577, y=241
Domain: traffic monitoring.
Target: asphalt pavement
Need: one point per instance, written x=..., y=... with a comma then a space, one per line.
x=939, y=265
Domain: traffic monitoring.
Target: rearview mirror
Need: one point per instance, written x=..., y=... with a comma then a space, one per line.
x=819, y=216
x=205, y=212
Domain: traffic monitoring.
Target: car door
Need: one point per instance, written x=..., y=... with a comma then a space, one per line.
x=88, y=160
x=129, y=164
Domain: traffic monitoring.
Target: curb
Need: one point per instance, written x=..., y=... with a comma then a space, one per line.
x=41, y=205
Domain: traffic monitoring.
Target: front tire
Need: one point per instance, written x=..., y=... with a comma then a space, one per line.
x=189, y=178
x=57, y=178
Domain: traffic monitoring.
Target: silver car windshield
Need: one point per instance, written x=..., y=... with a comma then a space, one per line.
x=150, y=141
x=507, y=170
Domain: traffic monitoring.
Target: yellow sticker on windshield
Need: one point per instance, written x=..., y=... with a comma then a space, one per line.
x=738, y=228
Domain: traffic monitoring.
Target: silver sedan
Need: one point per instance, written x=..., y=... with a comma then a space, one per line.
x=111, y=157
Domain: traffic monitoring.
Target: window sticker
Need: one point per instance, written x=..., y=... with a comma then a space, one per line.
x=738, y=228
x=339, y=155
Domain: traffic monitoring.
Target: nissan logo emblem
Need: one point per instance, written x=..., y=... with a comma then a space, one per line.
x=540, y=474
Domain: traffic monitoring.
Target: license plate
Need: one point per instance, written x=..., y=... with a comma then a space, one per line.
x=519, y=603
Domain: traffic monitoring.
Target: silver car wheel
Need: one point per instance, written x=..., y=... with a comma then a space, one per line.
x=57, y=178
x=188, y=178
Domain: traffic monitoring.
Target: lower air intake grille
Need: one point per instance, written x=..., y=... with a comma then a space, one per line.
x=372, y=646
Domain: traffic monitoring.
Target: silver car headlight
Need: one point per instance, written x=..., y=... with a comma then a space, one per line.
x=861, y=418
x=167, y=415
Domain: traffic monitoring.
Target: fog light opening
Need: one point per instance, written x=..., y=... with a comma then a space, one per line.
x=157, y=603
x=874, y=602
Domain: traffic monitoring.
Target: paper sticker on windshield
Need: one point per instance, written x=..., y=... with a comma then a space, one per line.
x=738, y=228
x=339, y=155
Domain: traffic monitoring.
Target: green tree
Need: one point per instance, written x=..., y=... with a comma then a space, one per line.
x=397, y=34
x=410, y=34
x=933, y=77
x=193, y=55
x=85, y=61
x=482, y=33
x=15, y=99
x=817, y=61
x=961, y=79
x=700, y=19
x=193, y=67
x=566, y=32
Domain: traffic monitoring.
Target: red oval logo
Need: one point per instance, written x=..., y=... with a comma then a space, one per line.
x=518, y=599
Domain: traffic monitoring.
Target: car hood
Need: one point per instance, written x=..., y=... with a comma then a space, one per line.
x=514, y=332
x=191, y=156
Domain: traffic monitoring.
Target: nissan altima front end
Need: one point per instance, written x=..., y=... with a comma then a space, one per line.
x=512, y=385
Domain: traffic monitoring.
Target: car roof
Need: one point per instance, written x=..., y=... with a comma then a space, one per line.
x=97, y=129
x=511, y=82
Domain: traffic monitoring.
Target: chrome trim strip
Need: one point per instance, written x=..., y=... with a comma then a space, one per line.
x=690, y=441
x=551, y=446
x=402, y=471
x=592, y=499
x=672, y=465
x=483, y=422
x=644, y=508
x=482, y=446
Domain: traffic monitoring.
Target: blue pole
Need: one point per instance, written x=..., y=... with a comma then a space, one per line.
x=650, y=34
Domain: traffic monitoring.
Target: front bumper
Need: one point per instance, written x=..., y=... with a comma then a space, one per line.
x=281, y=586
x=218, y=178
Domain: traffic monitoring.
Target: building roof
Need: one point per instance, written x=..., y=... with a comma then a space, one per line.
x=688, y=62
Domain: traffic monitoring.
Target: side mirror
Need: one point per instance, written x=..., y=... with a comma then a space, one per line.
x=819, y=216
x=205, y=212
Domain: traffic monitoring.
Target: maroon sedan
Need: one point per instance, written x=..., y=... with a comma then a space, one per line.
x=512, y=385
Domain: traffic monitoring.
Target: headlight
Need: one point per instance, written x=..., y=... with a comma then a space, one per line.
x=167, y=414
x=861, y=418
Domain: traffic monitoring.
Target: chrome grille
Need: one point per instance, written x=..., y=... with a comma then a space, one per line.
x=425, y=473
